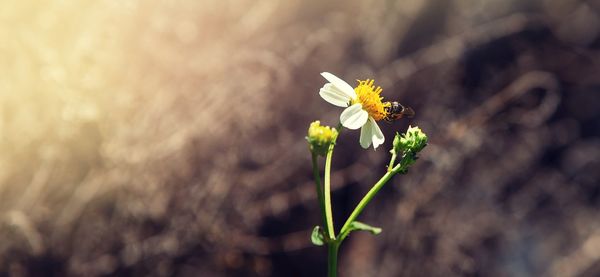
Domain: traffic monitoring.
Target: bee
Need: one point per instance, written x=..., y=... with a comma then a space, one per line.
x=396, y=111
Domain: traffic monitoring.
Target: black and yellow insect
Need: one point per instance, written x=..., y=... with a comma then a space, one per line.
x=395, y=111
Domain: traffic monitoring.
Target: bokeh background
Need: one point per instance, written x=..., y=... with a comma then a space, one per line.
x=166, y=138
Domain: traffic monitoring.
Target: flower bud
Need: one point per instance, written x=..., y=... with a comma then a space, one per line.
x=413, y=141
x=320, y=137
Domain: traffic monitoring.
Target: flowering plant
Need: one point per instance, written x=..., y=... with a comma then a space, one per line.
x=363, y=108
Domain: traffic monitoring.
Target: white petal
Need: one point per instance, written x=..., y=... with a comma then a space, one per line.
x=366, y=134
x=354, y=117
x=340, y=84
x=333, y=95
x=378, y=137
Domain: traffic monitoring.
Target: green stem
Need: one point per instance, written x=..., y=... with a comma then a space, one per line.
x=392, y=160
x=332, y=254
x=327, y=187
x=327, y=192
x=365, y=200
x=319, y=188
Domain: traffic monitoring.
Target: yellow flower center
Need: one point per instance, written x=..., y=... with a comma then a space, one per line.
x=368, y=96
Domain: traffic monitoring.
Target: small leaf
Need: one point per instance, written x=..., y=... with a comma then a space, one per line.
x=357, y=225
x=317, y=237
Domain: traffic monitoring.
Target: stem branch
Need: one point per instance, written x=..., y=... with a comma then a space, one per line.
x=327, y=193
x=319, y=188
x=392, y=160
x=365, y=200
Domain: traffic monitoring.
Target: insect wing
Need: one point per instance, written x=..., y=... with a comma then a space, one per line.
x=408, y=112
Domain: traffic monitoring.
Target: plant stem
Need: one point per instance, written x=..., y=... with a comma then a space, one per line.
x=332, y=253
x=319, y=188
x=365, y=200
x=392, y=160
x=327, y=192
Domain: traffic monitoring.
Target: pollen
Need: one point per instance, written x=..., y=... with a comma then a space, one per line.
x=369, y=97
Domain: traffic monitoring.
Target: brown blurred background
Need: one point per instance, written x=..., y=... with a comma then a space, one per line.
x=166, y=138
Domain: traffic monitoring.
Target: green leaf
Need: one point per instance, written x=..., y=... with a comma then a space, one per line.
x=357, y=225
x=317, y=236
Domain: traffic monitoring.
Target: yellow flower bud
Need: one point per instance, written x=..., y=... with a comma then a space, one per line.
x=320, y=137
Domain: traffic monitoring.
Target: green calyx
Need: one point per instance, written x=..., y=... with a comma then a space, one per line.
x=413, y=141
x=407, y=146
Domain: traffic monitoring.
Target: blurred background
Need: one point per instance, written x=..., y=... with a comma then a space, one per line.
x=166, y=138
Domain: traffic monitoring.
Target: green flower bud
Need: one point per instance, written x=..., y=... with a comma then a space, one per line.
x=413, y=141
x=320, y=137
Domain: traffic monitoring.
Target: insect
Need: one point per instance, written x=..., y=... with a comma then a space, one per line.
x=396, y=111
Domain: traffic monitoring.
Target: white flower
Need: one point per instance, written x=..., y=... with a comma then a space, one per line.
x=363, y=107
